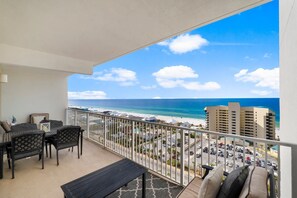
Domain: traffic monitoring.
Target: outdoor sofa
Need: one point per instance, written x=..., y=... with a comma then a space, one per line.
x=243, y=182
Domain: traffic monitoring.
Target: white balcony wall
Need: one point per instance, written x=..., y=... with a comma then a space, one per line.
x=288, y=92
x=31, y=90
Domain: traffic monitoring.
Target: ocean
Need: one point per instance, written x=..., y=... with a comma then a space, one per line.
x=188, y=108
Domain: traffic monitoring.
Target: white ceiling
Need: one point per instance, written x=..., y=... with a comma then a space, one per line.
x=96, y=31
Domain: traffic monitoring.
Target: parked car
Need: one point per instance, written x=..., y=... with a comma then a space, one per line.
x=221, y=154
x=198, y=155
x=240, y=156
x=205, y=149
x=191, y=153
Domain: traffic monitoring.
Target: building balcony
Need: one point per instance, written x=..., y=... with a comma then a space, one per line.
x=174, y=153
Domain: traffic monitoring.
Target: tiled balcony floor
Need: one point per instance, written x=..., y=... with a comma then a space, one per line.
x=31, y=181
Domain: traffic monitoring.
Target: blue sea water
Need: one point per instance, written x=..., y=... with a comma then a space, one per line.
x=191, y=108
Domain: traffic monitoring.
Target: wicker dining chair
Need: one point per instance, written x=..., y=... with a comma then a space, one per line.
x=67, y=137
x=54, y=124
x=26, y=144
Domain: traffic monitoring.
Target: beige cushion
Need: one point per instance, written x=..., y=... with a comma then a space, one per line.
x=46, y=115
x=6, y=126
x=258, y=186
x=37, y=119
x=255, y=185
x=211, y=183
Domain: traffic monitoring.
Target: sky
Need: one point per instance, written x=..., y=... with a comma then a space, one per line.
x=237, y=57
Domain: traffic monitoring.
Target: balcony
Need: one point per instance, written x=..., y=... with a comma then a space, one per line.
x=177, y=153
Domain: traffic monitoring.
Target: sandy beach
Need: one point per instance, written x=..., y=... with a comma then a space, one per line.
x=167, y=119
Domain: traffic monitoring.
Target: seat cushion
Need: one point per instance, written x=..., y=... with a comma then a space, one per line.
x=38, y=119
x=233, y=183
x=211, y=183
x=256, y=184
x=44, y=115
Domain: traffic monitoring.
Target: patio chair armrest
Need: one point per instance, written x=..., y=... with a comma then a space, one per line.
x=207, y=169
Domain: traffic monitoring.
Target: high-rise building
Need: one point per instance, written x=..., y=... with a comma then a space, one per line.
x=246, y=121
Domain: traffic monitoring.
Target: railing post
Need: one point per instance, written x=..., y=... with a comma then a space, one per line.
x=104, y=131
x=66, y=117
x=133, y=142
x=182, y=158
x=75, y=117
x=88, y=126
x=294, y=171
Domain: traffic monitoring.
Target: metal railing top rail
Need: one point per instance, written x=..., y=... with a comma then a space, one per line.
x=245, y=138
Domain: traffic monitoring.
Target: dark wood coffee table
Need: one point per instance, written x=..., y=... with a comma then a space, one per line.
x=105, y=181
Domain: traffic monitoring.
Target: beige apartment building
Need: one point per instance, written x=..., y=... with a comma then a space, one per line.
x=246, y=121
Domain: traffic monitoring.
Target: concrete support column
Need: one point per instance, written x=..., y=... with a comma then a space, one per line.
x=288, y=95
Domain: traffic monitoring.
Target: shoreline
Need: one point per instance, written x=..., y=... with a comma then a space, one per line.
x=167, y=119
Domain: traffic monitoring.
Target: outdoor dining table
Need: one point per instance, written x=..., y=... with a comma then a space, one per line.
x=5, y=139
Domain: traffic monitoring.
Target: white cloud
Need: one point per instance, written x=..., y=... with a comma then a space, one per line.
x=267, y=55
x=157, y=97
x=164, y=43
x=261, y=77
x=184, y=43
x=149, y=87
x=177, y=76
x=176, y=72
x=261, y=92
x=122, y=76
x=197, y=86
x=241, y=73
x=87, y=95
x=187, y=43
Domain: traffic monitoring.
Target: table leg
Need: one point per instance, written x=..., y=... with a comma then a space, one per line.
x=143, y=184
x=1, y=162
x=81, y=142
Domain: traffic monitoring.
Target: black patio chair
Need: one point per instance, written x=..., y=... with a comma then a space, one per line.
x=54, y=124
x=67, y=137
x=28, y=144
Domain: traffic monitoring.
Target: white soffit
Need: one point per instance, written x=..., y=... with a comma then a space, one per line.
x=94, y=31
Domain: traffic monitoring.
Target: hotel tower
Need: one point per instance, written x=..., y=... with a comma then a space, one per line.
x=246, y=121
